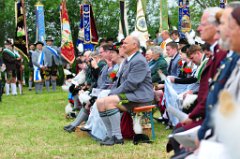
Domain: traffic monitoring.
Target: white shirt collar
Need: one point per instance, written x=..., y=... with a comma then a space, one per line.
x=213, y=46
x=130, y=57
x=229, y=54
x=174, y=56
x=177, y=40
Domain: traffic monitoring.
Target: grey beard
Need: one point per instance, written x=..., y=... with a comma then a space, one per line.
x=224, y=44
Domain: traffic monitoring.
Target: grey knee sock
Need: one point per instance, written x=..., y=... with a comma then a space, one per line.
x=36, y=87
x=30, y=85
x=115, y=119
x=75, y=99
x=47, y=84
x=107, y=123
x=54, y=85
x=82, y=116
x=40, y=87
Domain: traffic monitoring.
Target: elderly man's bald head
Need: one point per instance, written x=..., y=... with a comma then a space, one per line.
x=208, y=25
x=131, y=45
x=165, y=34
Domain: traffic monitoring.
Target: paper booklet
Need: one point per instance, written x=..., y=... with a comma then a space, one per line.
x=186, y=138
x=177, y=113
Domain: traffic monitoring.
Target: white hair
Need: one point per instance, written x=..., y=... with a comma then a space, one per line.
x=212, y=11
x=138, y=38
x=156, y=50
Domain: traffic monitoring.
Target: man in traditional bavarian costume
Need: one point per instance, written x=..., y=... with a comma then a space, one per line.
x=10, y=58
x=2, y=66
x=38, y=57
x=52, y=61
x=19, y=70
x=30, y=64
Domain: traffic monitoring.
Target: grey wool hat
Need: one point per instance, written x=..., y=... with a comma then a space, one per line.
x=49, y=38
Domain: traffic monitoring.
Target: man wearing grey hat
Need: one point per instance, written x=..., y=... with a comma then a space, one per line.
x=52, y=61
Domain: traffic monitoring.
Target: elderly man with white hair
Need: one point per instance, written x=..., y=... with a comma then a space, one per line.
x=133, y=88
x=226, y=68
x=227, y=113
x=208, y=33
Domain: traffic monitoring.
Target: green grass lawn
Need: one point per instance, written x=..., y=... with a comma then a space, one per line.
x=31, y=126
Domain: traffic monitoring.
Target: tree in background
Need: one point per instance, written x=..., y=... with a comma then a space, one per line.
x=106, y=13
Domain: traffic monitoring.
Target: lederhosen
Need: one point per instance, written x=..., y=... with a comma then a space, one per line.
x=9, y=59
x=52, y=71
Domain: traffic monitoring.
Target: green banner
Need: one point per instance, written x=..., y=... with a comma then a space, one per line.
x=163, y=15
x=144, y=4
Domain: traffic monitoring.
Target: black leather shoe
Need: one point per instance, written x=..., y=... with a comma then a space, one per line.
x=118, y=141
x=107, y=142
x=111, y=141
x=84, y=129
x=66, y=127
x=71, y=129
x=169, y=127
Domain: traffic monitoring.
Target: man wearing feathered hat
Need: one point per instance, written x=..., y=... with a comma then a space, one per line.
x=10, y=59
x=52, y=61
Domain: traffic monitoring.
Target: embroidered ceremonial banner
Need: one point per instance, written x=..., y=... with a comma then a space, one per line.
x=94, y=34
x=40, y=23
x=87, y=36
x=141, y=25
x=123, y=18
x=67, y=48
x=20, y=41
x=86, y=23
x=184, y=23
x=222, y=3
x=163, y=15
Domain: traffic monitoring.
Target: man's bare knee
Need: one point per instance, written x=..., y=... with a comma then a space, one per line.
x=111, y=102
x=100, y=104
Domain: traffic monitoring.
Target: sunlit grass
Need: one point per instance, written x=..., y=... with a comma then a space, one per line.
x=31, y=126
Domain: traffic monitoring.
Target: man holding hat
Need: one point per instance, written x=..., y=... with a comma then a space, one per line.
x=10, y=58
x=38, y=60
x=52, y=61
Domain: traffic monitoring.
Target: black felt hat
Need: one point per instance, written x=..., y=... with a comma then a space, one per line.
x=183, y=41
x=39, y=42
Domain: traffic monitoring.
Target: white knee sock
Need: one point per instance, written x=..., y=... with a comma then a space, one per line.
x=7, y=86
x=20, y=88
x=14, y=88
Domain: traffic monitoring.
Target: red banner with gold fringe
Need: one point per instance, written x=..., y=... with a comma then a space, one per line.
x=67, y=48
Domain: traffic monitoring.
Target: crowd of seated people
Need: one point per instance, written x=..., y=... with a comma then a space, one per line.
x=169, y=75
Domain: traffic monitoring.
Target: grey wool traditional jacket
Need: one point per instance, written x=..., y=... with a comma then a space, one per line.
x=50, y=58
x=35, y=56
x=135, y=80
